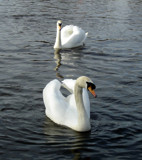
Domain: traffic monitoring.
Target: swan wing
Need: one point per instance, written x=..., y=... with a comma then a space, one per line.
x=54, y=101
x=67, y=31
x=62, y=110
x=69, y=84
x=72, y=36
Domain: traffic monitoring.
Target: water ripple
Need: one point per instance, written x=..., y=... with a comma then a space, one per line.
x=111, y=57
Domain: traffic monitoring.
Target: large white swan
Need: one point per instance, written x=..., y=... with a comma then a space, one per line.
x=69, y=36
x=72, y=111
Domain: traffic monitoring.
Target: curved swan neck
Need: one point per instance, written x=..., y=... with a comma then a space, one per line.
x=83, y=120
x=58, y=39
x=78, y=98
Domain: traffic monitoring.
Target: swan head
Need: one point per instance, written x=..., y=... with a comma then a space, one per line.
x=87, y=83
x=59, y=25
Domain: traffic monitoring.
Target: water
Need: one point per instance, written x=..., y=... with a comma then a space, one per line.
x=112, y=58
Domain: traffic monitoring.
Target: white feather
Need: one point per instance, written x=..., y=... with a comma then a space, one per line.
x=64, y=110
x=70, y=36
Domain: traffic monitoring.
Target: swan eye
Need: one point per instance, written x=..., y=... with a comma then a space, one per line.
x=89, y=84
x=60, y=24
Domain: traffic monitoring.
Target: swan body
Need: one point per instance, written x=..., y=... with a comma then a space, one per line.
x=72, y=111
x=69, y=36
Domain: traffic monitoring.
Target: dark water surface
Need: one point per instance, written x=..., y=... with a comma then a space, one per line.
x=112, y=57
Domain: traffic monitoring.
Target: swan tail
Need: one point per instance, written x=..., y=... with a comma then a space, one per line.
x=86, y=34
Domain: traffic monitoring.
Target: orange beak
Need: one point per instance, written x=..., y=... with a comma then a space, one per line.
x=92, y=91
x=59, y=27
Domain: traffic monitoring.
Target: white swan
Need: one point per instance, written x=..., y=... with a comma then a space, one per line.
x=69, y=36
x=72, y=111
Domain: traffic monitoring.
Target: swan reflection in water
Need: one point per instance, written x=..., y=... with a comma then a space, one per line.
x=70, y=58
x=66, y=140
x=57, y=57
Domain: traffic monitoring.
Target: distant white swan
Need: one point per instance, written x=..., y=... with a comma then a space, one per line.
x=72, y=111
x=69, y=36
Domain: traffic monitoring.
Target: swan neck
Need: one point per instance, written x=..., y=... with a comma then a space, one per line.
x=83, y=119
x=58, y=39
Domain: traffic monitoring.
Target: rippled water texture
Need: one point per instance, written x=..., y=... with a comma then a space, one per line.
x=112, y=58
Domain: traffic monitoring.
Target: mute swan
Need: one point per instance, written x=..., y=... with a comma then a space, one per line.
x=69, y=36
x=72, y=111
